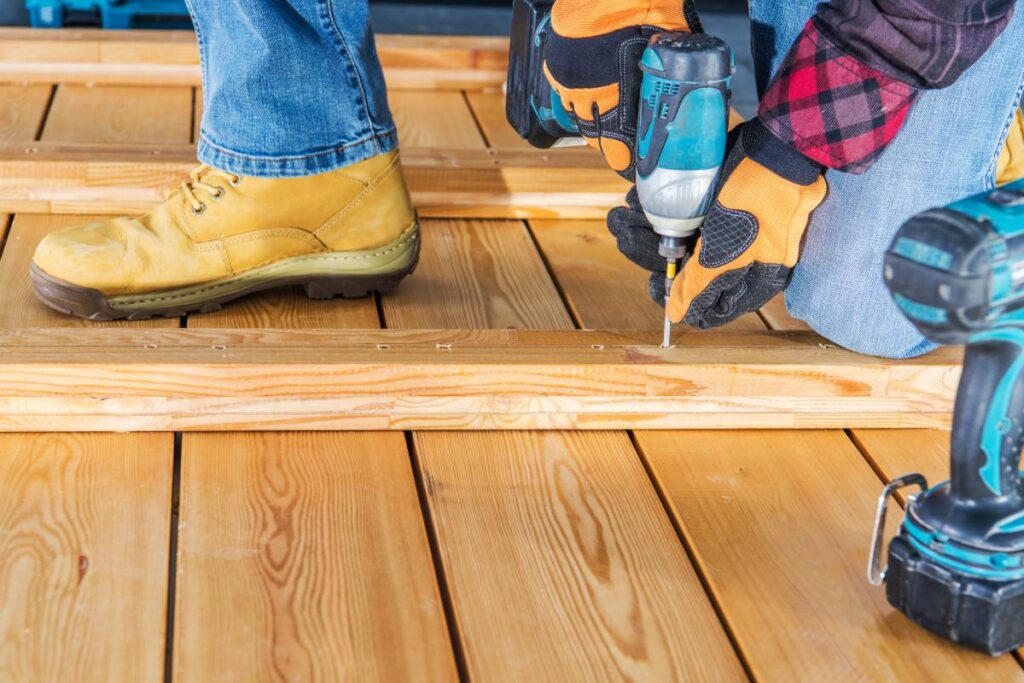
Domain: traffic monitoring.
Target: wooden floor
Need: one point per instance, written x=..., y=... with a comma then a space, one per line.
x=437, y=555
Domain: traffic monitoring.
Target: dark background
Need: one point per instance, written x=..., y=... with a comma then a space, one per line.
x=420, y=16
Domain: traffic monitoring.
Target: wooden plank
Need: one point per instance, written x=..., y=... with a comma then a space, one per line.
x=561, y=563
x=602, y=287
x=22, y=108
x=20, y=307
x=301, y=558
x=69, y=178
x=120, y=114
x=197, y=113
x=434, y=119
x=779, y=523
x=91, y=379
x=477, y=274
x=84, y=537
x=489, y=110
x=171, y=58
x=900, y=451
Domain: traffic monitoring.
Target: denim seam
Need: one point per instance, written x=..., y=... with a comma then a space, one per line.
x=298, y=157
x=1018, y=102
x=203, y=60
x=342, y=44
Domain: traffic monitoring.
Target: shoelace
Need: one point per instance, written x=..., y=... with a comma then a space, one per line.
x=197, y=181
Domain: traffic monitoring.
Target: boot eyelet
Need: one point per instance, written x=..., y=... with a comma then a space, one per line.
x=219, y=194
x=200, y=211
x=236, y=181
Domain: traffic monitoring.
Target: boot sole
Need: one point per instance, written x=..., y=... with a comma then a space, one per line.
x=348, y=275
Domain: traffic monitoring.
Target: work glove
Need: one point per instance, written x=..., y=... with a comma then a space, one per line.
x=592, y=61
x=751, y=238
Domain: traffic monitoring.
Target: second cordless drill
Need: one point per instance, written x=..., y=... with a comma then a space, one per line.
x=681, y=131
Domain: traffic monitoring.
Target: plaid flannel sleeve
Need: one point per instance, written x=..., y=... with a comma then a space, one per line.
x=847, y=84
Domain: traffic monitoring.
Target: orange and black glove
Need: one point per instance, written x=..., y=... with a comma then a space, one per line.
x=592, y=61
x=751, y=238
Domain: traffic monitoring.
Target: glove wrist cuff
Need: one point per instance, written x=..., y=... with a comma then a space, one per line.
x=781, y=158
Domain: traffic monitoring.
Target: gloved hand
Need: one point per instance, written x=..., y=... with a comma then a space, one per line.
x=638, y=242
x=752, y=235
x=592, y=61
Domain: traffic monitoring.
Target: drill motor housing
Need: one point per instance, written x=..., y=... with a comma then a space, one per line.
x=957, y=566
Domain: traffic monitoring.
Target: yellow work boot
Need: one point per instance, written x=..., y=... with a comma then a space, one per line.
x=219, y=237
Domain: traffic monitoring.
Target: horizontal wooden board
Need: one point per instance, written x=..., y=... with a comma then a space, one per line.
x=42, y=177
x=22, y=108
x=437, y=379
x=171, y=58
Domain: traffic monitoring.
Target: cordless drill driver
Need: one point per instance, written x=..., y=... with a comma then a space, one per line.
x=681, y=132
x=957, y=565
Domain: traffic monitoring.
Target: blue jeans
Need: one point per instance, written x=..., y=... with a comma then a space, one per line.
x=947, y=149
x=290, y=87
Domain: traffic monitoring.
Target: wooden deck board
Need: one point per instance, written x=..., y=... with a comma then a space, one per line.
x=84, y=534
x=120, y=114
x=476, y=274
x=434, y=119
x=780, y=523
x=561, y=563
x=22, y=108
x=489, y=111
x=304, y=557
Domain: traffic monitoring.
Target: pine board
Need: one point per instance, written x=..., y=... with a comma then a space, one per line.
x=434, y=119
x=476, y=274
x=304, y=557
x=120, y=114
x=84, y=537
x=780, y=524
x=561, y=563
x=489, y=111
x=22, y=108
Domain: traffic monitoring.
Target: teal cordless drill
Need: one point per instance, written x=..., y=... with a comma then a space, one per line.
x=681, y=132
x=957, y=565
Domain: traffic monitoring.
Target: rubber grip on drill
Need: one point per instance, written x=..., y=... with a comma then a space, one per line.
x=988, y=418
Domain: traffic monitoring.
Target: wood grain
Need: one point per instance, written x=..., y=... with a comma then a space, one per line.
x=474, y=275
x=20, y=306
x=780, y=524
x=604, y=289
x=110, y=178
x=561, y=563
x=171, y=58
x=84, y=532
x=489, y=111
x=304, y=557
x=22, y=108
x=438, y=379
x=901, y=451
x=120, y=114
x=434, y=119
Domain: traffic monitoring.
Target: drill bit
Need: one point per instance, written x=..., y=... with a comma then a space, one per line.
x=670, y=276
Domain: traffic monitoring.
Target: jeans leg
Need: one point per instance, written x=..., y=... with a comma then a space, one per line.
x=290, y=87
x=947, y=150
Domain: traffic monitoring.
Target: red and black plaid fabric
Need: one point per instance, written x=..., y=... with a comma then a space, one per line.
x=831, y=107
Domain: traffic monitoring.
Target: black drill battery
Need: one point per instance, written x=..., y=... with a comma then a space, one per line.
x=528, y=101
x=984, y=615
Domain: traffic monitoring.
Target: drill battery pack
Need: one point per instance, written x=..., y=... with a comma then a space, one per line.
x=528, y=93
x=985, y=615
